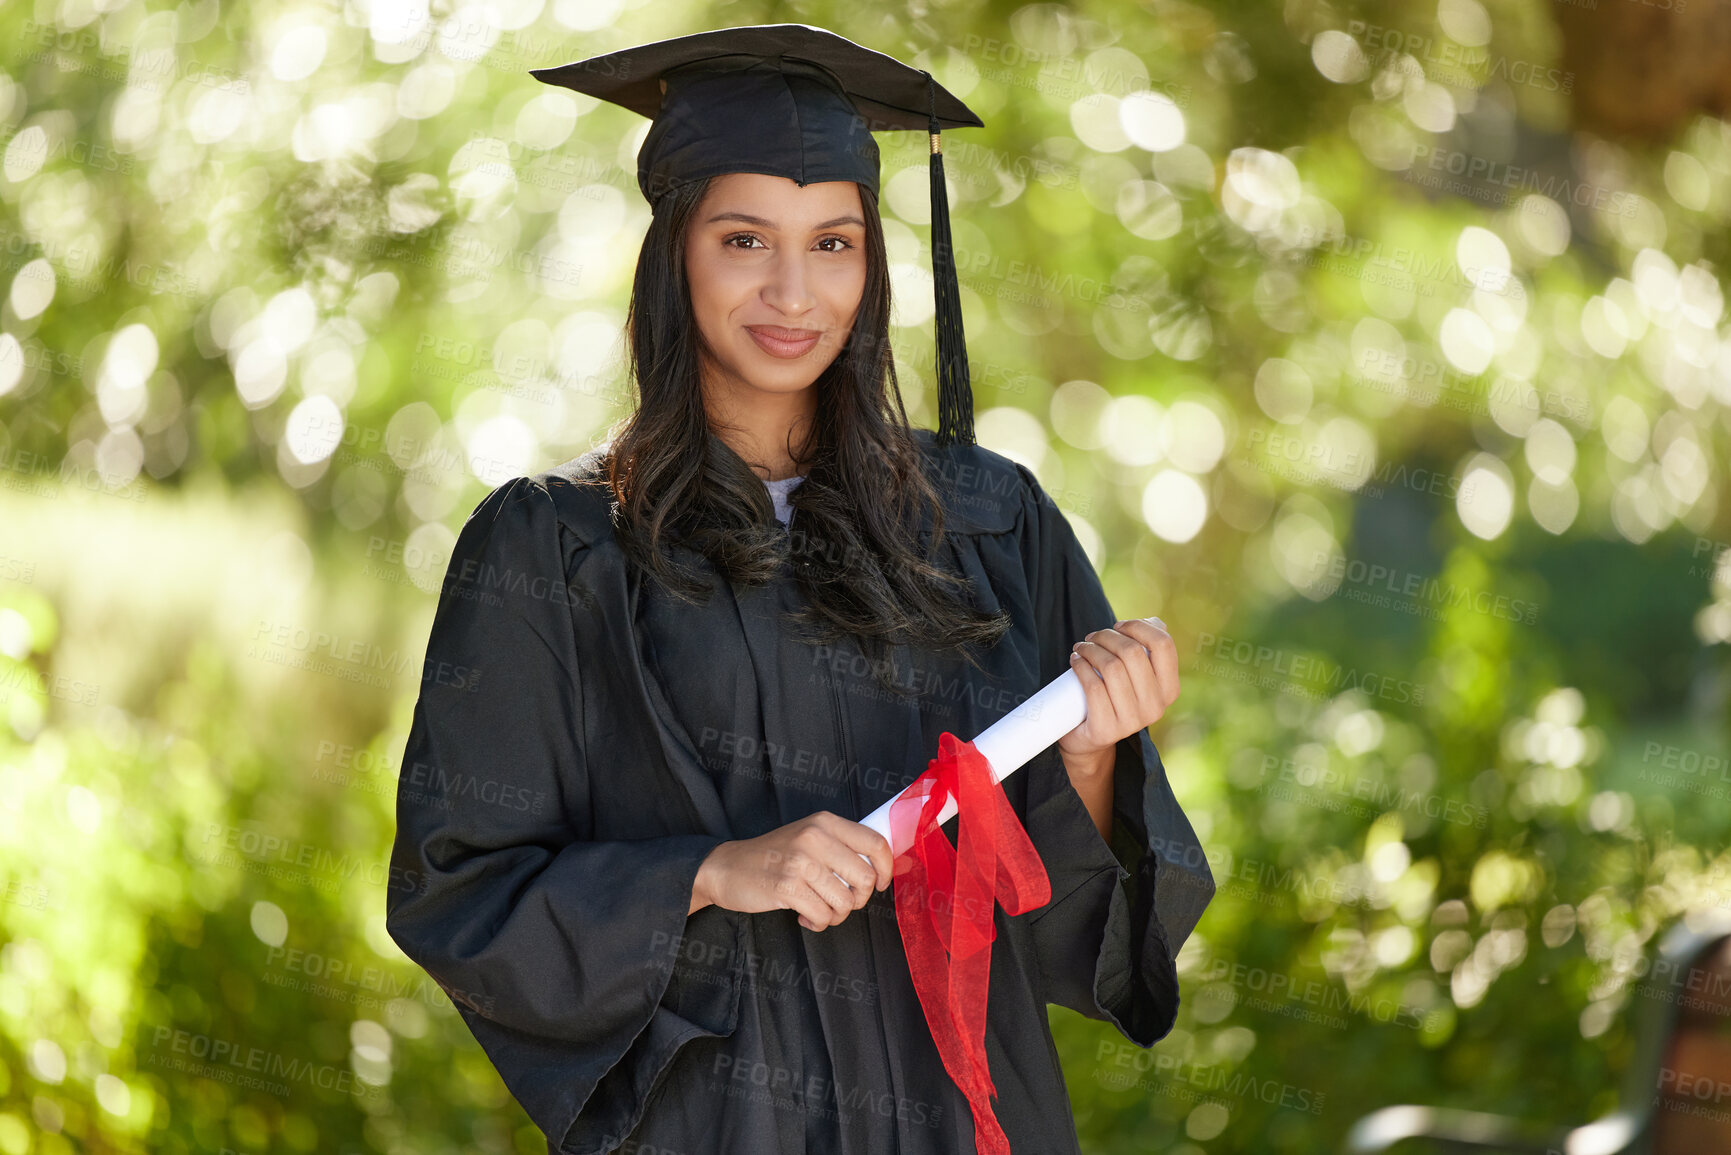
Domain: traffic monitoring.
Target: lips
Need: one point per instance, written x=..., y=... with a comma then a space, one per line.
x=780, y=342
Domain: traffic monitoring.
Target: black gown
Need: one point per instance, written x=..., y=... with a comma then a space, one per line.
x=582, y=740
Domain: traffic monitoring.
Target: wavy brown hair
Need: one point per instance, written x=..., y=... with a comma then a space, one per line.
x=854, y=551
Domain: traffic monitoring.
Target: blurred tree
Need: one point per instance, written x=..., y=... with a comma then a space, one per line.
x=1380, y=349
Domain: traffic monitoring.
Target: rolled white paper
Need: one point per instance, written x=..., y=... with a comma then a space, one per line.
x=1009, y=742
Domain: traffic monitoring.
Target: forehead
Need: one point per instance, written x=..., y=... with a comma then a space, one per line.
x=778, y=199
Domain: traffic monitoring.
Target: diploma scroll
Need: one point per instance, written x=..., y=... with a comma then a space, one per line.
x=1008, y=744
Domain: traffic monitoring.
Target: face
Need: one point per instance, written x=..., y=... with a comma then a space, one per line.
x=776, y=274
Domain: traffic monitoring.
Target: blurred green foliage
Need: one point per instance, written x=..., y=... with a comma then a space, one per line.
x=1400, y=402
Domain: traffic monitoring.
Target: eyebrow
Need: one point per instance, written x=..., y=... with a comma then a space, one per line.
x=763, y=224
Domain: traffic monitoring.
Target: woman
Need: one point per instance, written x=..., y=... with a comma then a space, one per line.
x=632, y=829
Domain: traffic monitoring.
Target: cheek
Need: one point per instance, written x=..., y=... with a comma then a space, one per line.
x=843, y=288
x=730, y=279
x=716, y=290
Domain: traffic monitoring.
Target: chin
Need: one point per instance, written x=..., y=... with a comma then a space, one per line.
x=774, y=375
x=782, y=382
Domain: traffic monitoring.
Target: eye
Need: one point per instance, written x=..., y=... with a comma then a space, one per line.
x=845, y=244
x=739, y=237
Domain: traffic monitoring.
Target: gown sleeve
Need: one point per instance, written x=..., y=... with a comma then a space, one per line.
x=1119, y=914
x=545, y=936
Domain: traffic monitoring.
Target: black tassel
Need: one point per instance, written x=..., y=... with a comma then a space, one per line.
x=955, y=394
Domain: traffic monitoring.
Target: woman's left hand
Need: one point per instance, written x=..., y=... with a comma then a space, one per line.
x=1130, y=676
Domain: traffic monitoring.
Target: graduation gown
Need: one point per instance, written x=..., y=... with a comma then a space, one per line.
x=582, y=740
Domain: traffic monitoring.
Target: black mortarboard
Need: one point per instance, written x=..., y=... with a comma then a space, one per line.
x=796, y=101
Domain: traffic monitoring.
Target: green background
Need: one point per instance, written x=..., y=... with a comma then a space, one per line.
x=1380, y=350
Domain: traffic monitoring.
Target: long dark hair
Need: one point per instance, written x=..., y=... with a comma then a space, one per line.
x=853, y=545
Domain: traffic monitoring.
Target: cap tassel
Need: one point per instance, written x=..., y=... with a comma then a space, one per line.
x=955, y=394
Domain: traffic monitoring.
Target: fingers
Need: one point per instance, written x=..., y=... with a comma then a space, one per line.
x=1136, y=663
x=815, y=912
x=825, y=867
x=816, y=895
x=864, y=840
x=827, y=885
x=1128, y=670
x=1163, y=651
x=823, y=862
x=1102, y=710
x=840, y=848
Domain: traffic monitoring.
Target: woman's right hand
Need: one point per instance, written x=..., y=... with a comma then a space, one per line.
x=795, y=868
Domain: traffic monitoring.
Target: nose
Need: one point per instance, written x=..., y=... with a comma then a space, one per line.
x=787, y=290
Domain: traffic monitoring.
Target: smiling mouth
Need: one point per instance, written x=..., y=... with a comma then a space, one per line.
x=780, y=342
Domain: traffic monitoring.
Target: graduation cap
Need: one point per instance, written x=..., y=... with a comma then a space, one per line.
x=796, y=101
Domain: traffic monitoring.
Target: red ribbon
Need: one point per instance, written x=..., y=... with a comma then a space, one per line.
x=944, y=901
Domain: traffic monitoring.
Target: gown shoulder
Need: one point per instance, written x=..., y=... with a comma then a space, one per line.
x=983, y=490
x=581, y=496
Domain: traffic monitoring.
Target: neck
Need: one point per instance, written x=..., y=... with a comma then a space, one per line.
x=760, y=426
